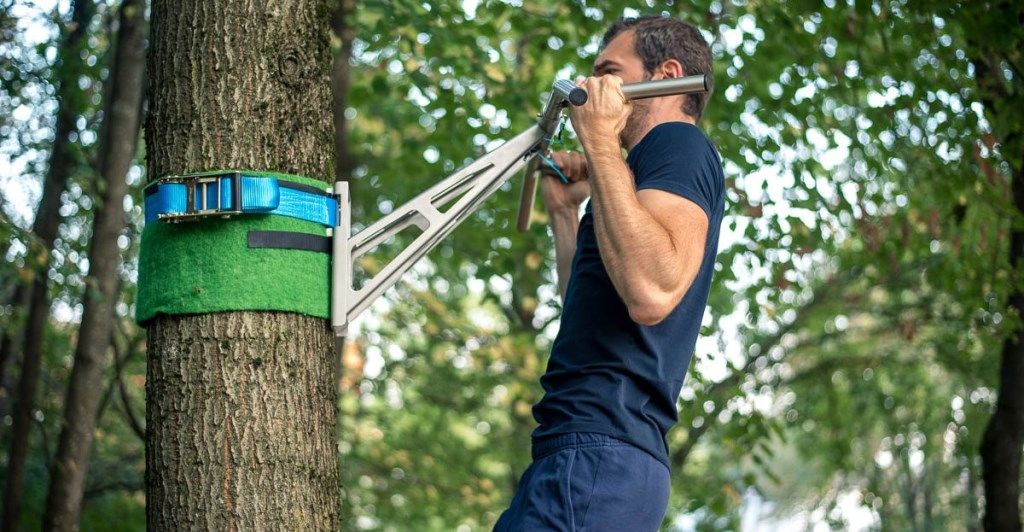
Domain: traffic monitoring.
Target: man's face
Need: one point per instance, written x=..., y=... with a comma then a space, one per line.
x=620, y=59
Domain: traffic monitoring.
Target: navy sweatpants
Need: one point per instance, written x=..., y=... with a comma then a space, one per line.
x=585, y=481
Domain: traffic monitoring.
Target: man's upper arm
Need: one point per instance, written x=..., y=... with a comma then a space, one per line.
x=687, y=226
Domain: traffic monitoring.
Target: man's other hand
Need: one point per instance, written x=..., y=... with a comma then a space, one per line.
x=559, y=196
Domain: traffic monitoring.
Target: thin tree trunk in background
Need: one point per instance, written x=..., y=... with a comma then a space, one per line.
x=9, y=341
x=45, y=228
x=341, y=69
x=116, y=152
x=232, y=443
x=1003, y=97
x=1004, y=436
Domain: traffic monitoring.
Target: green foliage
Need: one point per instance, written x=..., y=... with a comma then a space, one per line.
x=28, y=74
x=859, y=300
x=862, y=193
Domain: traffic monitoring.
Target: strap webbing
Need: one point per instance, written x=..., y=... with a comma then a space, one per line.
x=261, y=193
x=289, y=240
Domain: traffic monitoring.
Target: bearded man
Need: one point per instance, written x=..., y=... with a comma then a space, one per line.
x=634, y=275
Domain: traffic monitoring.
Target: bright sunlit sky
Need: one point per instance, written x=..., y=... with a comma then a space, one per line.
x=713, y=353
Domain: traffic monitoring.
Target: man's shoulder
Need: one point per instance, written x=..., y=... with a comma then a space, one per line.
x=677, y=157
x=671, y=140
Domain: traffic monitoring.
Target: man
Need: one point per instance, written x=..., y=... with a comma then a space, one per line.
x=634, y=275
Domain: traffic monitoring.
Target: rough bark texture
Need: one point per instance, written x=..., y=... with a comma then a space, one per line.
x=241, y=423
x=117, y=146
x=45, y=228
x=240, y=416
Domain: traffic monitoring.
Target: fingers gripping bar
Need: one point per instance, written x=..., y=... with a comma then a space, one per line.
x=565, y=92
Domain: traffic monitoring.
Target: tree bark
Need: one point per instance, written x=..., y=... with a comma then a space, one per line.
x=241, y=409
x=45, y=228
x=120, y=134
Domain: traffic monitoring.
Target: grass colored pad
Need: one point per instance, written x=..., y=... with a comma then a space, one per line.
x=207, y=266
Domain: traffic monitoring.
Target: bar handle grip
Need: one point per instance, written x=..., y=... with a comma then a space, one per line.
x=639, y=91
x=569, y=92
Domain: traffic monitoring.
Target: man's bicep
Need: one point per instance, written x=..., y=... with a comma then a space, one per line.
x=686, y=223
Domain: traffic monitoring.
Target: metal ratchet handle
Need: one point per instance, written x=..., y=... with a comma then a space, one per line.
x=565, y=92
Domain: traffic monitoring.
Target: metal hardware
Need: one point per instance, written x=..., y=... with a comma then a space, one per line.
x=203, y=183
x=468, y=187
x=568, y=91
x=341, y=263
x=563, y=93
x=665, y=87
x=434, y=212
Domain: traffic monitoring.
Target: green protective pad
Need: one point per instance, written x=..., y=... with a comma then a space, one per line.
x=206, y=266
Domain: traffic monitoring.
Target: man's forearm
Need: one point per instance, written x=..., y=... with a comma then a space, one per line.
x=564, y=224
x=637, y=250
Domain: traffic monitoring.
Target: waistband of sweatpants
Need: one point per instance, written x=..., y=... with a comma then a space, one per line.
x=578, y=440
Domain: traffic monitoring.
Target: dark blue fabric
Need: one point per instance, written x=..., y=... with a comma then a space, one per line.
x=582, y=481
x=608, y=374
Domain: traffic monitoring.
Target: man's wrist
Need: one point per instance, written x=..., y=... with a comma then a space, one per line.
x=601, y=146
x=564, y=211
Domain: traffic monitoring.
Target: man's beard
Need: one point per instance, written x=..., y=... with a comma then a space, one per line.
x=635, y=123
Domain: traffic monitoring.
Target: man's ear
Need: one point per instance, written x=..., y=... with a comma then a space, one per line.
x=671, y=68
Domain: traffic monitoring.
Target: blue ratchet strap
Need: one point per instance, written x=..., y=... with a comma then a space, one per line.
x=197, y=196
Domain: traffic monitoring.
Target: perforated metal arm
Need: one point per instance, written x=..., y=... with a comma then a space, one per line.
x=467, y=187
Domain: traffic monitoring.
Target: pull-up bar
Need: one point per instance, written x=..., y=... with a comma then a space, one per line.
x=434, y=212
x=565, y=92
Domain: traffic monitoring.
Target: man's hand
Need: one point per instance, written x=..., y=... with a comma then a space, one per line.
x=599, y=121
x=563, y=204
x=559, y=196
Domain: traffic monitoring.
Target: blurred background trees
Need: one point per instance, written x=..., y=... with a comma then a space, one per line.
x=859, y=336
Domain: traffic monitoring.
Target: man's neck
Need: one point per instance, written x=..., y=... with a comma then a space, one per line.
x=655, y=120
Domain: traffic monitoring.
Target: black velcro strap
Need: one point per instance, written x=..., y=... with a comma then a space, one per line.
x=289, y=240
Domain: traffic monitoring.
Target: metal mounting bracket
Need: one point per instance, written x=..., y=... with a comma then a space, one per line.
x=467, y=187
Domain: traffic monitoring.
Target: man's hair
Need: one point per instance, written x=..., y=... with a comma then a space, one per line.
x=658, y=39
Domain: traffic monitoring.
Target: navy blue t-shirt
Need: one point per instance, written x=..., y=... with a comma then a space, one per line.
x=607, y=373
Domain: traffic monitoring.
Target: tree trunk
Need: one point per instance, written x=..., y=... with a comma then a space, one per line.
x=116, y=153
x=241, y=414
x=1004, y=436
x=45, y=228
x=341, y=69
x=1003, y=96
x=9, y=340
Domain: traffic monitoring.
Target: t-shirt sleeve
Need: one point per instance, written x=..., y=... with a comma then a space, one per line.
x=683, y=162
